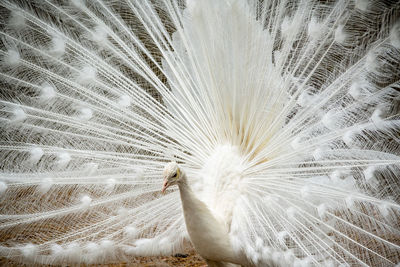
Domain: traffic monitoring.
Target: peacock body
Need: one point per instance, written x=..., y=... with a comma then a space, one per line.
x=283, y=115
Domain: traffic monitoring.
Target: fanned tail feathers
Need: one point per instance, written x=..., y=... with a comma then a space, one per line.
x=283, y=114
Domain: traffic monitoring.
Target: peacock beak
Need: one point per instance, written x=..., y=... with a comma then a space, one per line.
x=165, y=186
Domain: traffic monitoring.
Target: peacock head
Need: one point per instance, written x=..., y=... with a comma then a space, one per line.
x=172, y=175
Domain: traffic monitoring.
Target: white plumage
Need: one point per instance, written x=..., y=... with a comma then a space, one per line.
x=283, y=117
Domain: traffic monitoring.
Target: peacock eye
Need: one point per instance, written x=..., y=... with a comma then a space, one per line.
x=173, y=176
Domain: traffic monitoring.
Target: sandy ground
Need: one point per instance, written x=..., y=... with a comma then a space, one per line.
x=190, y=259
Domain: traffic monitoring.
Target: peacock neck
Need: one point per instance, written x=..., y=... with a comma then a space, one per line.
x=209, y=237
x=190, y=202
x=183, y=181
x=187, y=196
